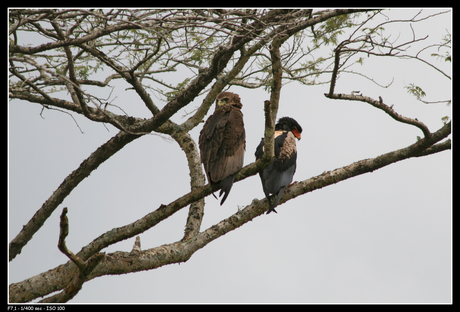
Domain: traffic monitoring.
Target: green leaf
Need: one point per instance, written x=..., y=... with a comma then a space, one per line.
x=445, y=119
x=415, y=91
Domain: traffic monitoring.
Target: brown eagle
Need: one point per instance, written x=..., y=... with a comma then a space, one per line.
x=280, y=172
x=223, y=142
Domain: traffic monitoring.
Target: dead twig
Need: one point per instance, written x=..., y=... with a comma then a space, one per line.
x=84, y=267
x=380, y=105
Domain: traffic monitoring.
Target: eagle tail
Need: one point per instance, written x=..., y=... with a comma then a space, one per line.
x=225, y=187
x=271, y=207
x=276, y=198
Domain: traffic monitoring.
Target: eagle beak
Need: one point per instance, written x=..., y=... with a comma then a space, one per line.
x=296, y=133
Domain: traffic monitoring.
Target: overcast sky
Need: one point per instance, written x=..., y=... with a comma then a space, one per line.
x=383, y=236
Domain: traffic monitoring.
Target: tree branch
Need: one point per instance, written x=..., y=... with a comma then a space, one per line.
x=78, y=99
x=84, y=267
x=335, y=71
x=436, y=148
x=380, y=105
x=77, y=41
x=64, y=231
x=129, y=76
x=271, y=107
x=197, y=179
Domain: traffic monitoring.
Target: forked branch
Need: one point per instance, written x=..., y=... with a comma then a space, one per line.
x=84, y=267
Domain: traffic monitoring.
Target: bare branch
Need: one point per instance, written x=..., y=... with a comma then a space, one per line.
x=84, y=267
x=271, y=107
x=197, y=180
x=64, y=226
x=436, y=148
x=380, y=105
x=127, y=75
x=336, y=69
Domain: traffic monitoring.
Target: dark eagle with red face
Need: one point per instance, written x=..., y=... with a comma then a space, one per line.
x=280, y=172
x=223, y=142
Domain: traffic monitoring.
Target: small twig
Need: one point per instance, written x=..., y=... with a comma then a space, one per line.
x=337, y=51
x=147, y=57
x=62, y=236
x=136, y=247
x=62, y=111
x=78, y=98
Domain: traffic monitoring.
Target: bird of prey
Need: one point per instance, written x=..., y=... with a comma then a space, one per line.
x=280, y=172
x=223, y=142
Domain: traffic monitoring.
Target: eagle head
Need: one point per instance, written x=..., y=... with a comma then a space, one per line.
x=289, y=124
x=228, y=98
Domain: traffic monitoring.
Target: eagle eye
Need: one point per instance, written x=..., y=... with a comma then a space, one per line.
x=222, y=101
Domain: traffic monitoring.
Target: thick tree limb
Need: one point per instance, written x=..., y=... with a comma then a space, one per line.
x=436, y=148
x=197, y=179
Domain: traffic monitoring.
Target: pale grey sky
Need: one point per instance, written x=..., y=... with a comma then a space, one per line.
x=383, y=237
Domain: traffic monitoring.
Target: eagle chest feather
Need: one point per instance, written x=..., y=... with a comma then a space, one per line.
x=285, y=150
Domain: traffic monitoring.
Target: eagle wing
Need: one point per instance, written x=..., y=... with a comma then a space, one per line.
x=280, y=172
